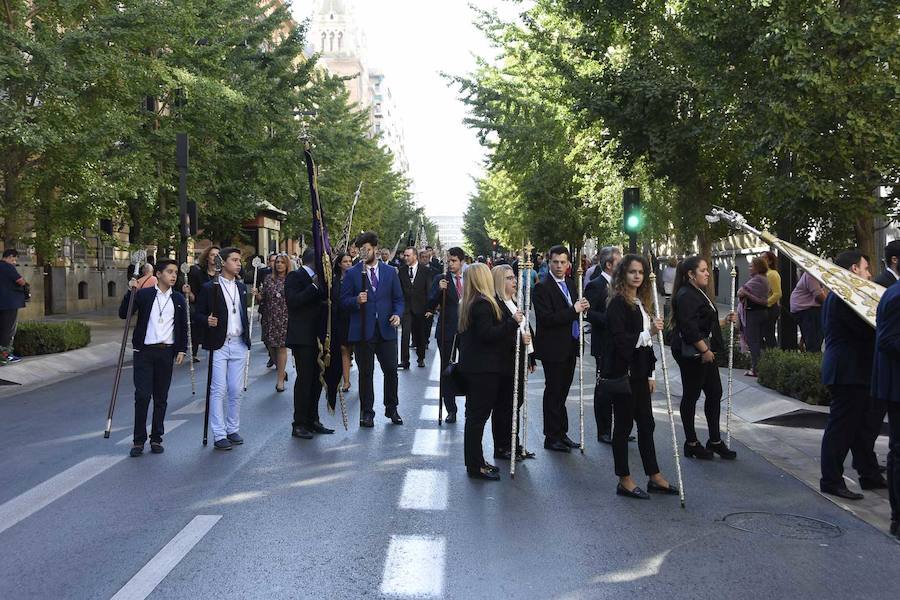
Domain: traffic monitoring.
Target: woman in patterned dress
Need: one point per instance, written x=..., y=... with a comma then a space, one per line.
x=272, y=302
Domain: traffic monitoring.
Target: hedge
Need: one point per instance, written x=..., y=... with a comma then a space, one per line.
x=47, y=337
x=794, y=374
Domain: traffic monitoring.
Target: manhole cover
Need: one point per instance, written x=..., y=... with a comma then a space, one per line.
x=783, y=525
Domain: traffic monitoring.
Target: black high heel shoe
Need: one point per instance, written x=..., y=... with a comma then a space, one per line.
x=696, y=450
x=721, y=449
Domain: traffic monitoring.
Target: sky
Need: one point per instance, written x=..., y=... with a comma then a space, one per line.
x=412, y=42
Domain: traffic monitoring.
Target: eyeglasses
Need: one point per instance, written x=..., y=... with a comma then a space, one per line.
x=510, y=277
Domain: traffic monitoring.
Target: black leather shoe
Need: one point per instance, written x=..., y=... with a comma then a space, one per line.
x=721, y=449
x=394, y=417
x=568, y=442
x=403, y=367
x=420, y=364
x=451, y=417
x=605, y=439
x=484, y=474
x=524, y=454
x=367, y=422
x=556, y=446
x=319, y=428
x=491, y=468
x=655, y=488
x=301, y=432
x=697, y=451
x=868, y=483
x=636, y=492
x=136, y=451
x=503, y=454
x=842, y=492
x=156, y=448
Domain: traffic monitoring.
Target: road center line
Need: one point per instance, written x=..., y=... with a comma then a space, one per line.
x=414, y=566
x=151, y=575
x=428, y=442
x=425, y=489
x=28, y=503
x=167, y=425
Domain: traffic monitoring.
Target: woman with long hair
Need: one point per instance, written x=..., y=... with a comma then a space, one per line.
x=203, y=271
x=754, y=301
x=340, y=330
x=272, y=301
x=697, y=337
x=628, y=360
x=501, y=420
x=485, y=338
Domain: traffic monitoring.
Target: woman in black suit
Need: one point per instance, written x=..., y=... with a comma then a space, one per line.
x=697, y=338
x=485, y=338
x=629, y=354
x=340, y=329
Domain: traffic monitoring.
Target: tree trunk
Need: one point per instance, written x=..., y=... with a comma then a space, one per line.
x=864, y=228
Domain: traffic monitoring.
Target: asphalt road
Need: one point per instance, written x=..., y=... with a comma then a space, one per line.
x=389, y=512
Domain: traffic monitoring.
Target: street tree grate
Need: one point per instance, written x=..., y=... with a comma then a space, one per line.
x=783, y=525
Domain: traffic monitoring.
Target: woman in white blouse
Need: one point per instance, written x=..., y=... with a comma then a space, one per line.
x=501, y=421
x=627, y=372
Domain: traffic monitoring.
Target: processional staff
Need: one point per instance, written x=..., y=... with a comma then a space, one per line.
x=728, y=404
x=210, y=352
x=526, y=309
x=581, y=348
x=257, y=263
x=517, y=369
x=186, y=269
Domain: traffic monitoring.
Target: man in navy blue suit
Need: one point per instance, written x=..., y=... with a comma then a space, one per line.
x=886, y=387
x=371, y=292
x=160, y=337
x=452, y=282
x=847, y=371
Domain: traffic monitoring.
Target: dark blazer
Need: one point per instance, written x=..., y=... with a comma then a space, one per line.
x=619, y=355
x=886, y=279
x=435, y=265
x=488, y=344
x=849, y=345
x=886, y=371
x=212, y=297
x=695, y=319
x=388, y=301
x=597, y=293
x=415, y=292
x=306, y=309
x=448, y=323
x=143, y=306
x=553, y=341
x=512, y=350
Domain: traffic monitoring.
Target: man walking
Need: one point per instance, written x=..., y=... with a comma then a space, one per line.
x=415, y=280
x=450, y=284
x=12, y=298
x=597, y=293
x=891, y=273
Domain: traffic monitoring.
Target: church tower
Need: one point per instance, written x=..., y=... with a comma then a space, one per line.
x=336, y=37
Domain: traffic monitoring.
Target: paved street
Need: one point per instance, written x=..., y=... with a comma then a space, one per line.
x=389, y=512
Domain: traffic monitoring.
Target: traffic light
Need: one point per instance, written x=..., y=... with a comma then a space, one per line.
x=633, y=219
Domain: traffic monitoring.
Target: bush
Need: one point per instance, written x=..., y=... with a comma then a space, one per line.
x=44, y=337
x=794, y=374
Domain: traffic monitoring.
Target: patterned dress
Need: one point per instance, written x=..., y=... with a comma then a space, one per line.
x=274, y=307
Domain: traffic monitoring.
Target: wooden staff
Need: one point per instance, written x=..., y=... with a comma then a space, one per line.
x=526, y=308
x=520, y=292
x=257, y=263
x=581, y=348
x=731, y=350
x=185, y=269
x=209, y=369
x=137, y=259
x=665, y=366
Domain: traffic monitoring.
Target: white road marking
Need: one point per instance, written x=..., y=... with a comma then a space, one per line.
x=151, y=575
x=428, y=442
x=432, y=392
x=197, y=407
x=28, y=503
x=76, y=438
x=414, y=566
x=425, y=489
x=647, y=568
x=429, y=412
x=168, y=426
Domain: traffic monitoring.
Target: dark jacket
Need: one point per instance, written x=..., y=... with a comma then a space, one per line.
x=306, y=309
x=886, y=371
x=849, y=345
x=211, y=301
x=619, y=355
x=597, y=293
x=386, y=302
x=512, y=350
x=12, y=294
x=886, y=279
x=449, y=322
x=553, y=341
x=695, y=319
x=415, y=292
x=143, y=305
x=488, y=343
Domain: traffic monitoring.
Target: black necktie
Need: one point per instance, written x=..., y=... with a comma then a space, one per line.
x=410, y=273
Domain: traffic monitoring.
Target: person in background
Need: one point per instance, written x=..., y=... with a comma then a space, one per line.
x=589, y=274
x=773, y=302
x=147, y=278
x=433, y=262
x=891, y=273
x=448, y=319
x=753, y=295
x=12, y=298
x=668, y=283
x=272, y=302
x=415, y=280
x=386, y=256
x=541, y=266
x=806, y=308
x=353, y=250
x=263, y=323
x=340, y=329
x=203, y=271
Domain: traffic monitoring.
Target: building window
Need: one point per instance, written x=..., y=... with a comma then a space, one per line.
x=82, y=290
x=340, y=40
x=323, y=41
x=331, y=42
x=111, y=289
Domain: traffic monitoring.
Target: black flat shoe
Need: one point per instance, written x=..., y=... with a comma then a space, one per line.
x=136, y=451
x=484, y=474
x=451, y=418
x=556, y=446
x=655, y=488
x=721, y=449
x=301, y=432
x=394, y=417
x=634, y=493
x=156, y=448
x=503, y=454
x=367, y=422
x=697, y=451
x=403, y=367
x=491, y=468
x=525, y=454
x=319, y=428
x=842, y=492
x=568, y=442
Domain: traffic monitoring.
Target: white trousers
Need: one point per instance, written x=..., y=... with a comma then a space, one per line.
x=226, y=389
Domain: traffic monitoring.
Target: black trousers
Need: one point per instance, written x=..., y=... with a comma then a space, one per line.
x=629, y=409
x=557, y=381
x=603, y=410
x=482, y=397
x=772, y=315
x=810, y=322
x=502, y=417
x=696, y=377
x=847, y=430
x=413, y=326
x=152, y=378
x=307, y=386
x=8, y=319
x=449, y=399
x=893, y=461
x=386, y=351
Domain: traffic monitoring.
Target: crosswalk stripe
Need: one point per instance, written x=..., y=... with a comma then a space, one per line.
x=429, y=442
x=414, y=566
x=424, y=489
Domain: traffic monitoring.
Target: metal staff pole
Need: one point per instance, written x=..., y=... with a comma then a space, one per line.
x=137, y=258
x=526, y=309
x=209, y=369
x=185, y=269
x=516, y=366
x=443, y=339
x=665, y=366
x=257, y=263
x=581, y=349
x=728, y=405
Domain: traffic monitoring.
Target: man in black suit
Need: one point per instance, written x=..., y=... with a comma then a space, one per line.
x=449, y=285
x=847, y=371
x=160, y=337
x=433, y=262
x=415, y=279
x=597, y=293
x=891, y=273
x=307, y=313
x=556, y=308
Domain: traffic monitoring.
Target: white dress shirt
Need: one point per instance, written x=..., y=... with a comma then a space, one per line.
x=233, y=305
x=645, y=340
x=523, y=326
x=311, y=273
x=161, y=324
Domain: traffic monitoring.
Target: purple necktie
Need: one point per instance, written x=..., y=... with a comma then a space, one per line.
x=565, y=291
x=373, y=278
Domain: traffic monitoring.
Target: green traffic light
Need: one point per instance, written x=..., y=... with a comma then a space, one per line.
x=633, y=222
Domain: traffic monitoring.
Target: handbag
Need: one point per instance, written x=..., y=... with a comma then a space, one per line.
x=453, y=380
x=690, y=350
x=620, y=386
